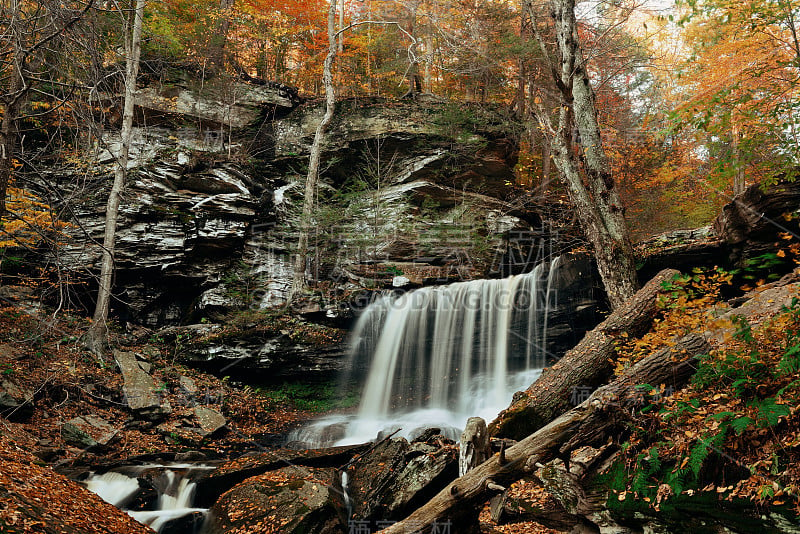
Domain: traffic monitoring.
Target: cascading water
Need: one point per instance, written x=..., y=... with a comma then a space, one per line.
x=440, y=355
x=175, y=492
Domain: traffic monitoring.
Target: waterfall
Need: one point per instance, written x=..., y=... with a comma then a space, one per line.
x=438, y=355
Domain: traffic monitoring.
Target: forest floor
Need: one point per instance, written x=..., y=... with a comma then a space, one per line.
x=47, y=359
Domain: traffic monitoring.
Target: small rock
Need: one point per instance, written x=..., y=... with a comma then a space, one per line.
x=187, y=385
x=9, y=352
x=427, y=435
x=16, y=401
x=210, y=420
x=48, y=454
x=190, y=456
x=186, y=523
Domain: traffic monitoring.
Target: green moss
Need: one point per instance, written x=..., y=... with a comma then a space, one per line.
x=321, y=397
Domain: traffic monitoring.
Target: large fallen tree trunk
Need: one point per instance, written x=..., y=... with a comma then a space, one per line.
x=589, y=423
x=582, y=369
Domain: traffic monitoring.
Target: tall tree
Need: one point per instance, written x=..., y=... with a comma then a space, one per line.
x=583, y=165
x=312, y=177
x=97, y=336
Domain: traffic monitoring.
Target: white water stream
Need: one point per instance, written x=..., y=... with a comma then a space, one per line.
x=176, y=493
x=440, y=355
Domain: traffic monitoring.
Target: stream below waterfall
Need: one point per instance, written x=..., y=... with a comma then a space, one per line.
x=436, y=356
x=160, y=499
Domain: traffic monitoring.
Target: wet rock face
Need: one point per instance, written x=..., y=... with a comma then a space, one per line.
x=206, y=220
x=207, y=217
x=179, y=230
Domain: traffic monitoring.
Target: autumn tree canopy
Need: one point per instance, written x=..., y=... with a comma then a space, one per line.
x=695, y=100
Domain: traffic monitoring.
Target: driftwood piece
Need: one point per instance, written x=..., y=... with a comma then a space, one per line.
x=589, y=419
x=582, y=368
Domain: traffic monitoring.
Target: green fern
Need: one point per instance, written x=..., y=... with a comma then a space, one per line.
x=740, y=424
x=769, y=411
x=790, y=362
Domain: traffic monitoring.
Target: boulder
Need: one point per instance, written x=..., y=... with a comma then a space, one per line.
x=88, y=431
x=395, y=477
x=290, y=500
x=139, y=388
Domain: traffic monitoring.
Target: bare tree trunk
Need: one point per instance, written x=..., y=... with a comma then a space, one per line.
x=474, y=447
x=11, y=109
x=739, y=181
x=519, y=104
x=312, y=178
x=8, y=142
x=428, y=72
x=414, y=80
x=546, y=160
x=97, y=336
x=340, y=45
x=596, y=198
x=218, y=47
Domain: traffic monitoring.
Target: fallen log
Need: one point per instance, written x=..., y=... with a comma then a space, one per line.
x=587, y=424
x=582, y=369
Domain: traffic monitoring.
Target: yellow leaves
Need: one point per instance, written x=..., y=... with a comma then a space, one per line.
x=30, y=220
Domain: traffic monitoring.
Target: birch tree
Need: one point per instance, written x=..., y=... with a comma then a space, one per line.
x=97, y=336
